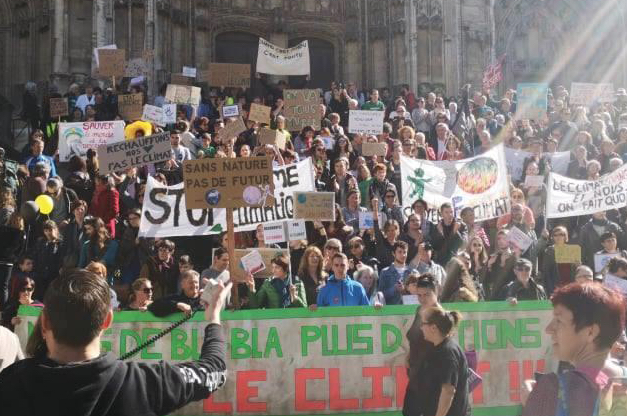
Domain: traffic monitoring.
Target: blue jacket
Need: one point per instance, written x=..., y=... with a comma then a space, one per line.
x=33, y=160
x=387, y=282
x=345, y=292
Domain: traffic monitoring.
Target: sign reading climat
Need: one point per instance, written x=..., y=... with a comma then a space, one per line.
x=76, y=138
x=133, y=153
x=228, y=182
x=274, y=60
x=479, y=182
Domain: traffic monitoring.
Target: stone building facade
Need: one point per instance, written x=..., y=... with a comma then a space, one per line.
x=429, y=44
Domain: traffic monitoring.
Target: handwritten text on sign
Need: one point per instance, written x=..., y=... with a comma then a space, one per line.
x=302, y=108
x=292, y=361
x=228, y=182
x=134, y=153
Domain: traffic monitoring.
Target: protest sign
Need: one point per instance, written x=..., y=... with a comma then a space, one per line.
x=374, y=149
x=519, y=239
x=180, y=79
x=616, y=283
x=532, y=101
x=228, y=182
x=274, y=60
x=126, y=154
x=135, y=67
x=296, y=230
x=274, y=233
x=479, y=182
x=189, y=72
x=271, y=137
x=602, y=259
x=516, y=159
x=252, y=262
x=169, y=113
x=96, y=55
x=314, y=206
x=302, y=108
x=232, y=129
x=131, y=106
x=58, y=107
x=293, y=361
x=534, y=180
x=230, y=111
x=259, y=113
x=76, y=138
x=410, y=300
x=165, y=213
x=265, y=254
x=329, y=142
x=112, y=62
x=153, y=114
x=365, y=122
x=226, y=75
x=568, y=253
x=183, y=94
x=568, y=197
x=366, y=220
x=583, y=93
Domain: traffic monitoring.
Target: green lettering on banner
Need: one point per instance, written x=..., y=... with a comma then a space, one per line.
x=105, y=345
x=389, y=329
x=308, y=334
x=367, y=340
x=239, y=337
x=124, y=333
x=146, y=354
x=180, y=350
x=254, y=341
x=535, y=335
x=497, y=343
x=474, y=324
x=273, y=343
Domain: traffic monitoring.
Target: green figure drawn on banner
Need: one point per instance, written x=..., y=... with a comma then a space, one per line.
x=418, y=183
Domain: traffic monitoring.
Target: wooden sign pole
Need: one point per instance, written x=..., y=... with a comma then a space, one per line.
x=230, y=235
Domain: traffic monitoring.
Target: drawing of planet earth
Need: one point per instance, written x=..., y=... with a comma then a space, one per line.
x=252, y=195
x=478, y=176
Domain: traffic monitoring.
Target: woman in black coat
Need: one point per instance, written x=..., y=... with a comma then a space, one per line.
x=48, y=257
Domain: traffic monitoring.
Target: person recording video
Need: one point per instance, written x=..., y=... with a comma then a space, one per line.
x=70, y=376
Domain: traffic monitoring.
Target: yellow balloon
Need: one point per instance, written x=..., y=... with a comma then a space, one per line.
x=45, y=204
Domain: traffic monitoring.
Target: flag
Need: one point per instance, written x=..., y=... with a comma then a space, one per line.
x=493, y=73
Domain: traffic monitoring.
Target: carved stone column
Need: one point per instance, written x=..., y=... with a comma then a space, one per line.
x=99, y=24
x=452, y=50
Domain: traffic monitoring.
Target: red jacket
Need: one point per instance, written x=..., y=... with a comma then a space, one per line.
x=106, y=206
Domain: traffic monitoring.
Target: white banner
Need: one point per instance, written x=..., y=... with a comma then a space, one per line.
x=76, y=138
x=583, y=93
x=164, y=213
x=366, y=122
x=570, y=197
x=479, y=182
x=274, y=60
x=515, y=160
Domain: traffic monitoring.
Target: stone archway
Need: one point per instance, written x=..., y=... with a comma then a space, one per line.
x=322, y=61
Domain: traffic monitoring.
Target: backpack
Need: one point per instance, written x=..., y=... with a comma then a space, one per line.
x=8, y=175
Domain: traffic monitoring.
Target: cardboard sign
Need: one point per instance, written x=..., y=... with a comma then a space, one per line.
x=232, y=129
x=518, y=238
x=135, y=67
x=228, y=182
x=112, y=62
x=153, y=114
x=183, y=94
x=302, y=108
x=365, y=122
x=583, y=93
x=374, y=149
x=534, y=180
x=274, y=233
x=180, y=79
x=617, y=283
x=76, y=138
x=259, y=113
x=226, y=75
x=568, y=253
x=230, y=111
x=296, y=230
x=267, y=255
x=532, y=101
x=189, y=72
x=602, y=259
x=314, y=206
x=272, y=59
x=58, y=107
x=131, y=106
x=253, y=262
x=169, y=113
x=271, y=137
x=126, y=154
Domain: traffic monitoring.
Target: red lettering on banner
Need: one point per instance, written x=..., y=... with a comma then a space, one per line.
x=514, y=382
x=301, y=375
x=335, y=393
x=244, y=392
x=401, y=385
x=377, y=399
x=209, y=406
x=483, y=367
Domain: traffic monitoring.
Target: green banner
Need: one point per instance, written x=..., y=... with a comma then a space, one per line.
x=338, y=360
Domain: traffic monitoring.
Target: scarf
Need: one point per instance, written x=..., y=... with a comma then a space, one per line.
x=282, y=288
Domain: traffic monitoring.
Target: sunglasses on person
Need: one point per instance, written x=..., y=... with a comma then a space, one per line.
x=523, y=269
x=147, y=290
x=28, y=289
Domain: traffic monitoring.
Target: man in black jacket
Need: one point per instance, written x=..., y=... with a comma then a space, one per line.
x=68, y=375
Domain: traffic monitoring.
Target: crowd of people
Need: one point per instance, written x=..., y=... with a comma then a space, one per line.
x=95, y=219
